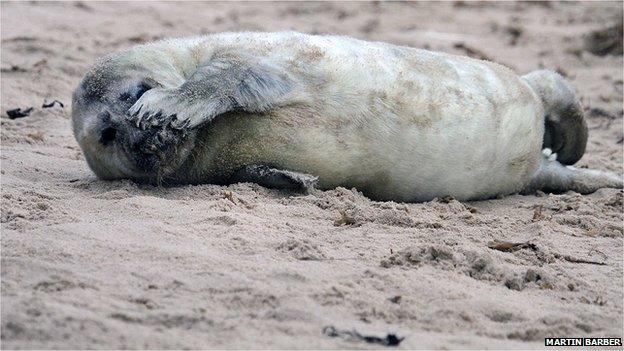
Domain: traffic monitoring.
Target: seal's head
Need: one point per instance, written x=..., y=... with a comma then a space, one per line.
x=114, y=147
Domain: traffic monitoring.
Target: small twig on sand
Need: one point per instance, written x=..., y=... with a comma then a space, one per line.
x=578, y=260
x=506, y=246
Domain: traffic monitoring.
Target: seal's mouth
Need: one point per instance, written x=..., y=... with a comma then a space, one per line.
x=158, y=152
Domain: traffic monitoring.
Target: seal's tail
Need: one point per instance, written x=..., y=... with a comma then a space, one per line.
x=565, y=130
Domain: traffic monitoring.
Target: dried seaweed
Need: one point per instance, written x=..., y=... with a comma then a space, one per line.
x=19, y=113
x=506, y=246
x=388, y=340
x=51, y=104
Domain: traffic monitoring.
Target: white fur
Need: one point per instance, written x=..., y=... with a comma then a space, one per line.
x=403, y=123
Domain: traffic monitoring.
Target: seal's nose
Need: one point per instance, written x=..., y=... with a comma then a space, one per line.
x=108, y=130
x=108, y=135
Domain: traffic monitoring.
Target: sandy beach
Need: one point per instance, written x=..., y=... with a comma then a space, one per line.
x=87, y=263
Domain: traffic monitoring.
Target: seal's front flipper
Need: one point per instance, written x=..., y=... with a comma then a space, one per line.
x=223, y=83
x=274, y=178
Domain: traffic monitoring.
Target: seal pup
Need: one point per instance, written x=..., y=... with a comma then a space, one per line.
x=293, y=111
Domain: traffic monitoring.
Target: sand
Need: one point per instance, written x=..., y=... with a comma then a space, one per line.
x=98, y=264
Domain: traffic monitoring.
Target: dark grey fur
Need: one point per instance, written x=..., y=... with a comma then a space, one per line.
x=274, y=178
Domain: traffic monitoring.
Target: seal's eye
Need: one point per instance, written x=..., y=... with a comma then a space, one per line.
x=108, y=135
x=135, y=92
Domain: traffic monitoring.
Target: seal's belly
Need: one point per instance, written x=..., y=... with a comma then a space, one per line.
x=411, y=127
x=445, y=141
x=466, y=159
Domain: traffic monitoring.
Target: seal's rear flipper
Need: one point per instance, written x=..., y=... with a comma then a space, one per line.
x=274, y=178
x=565, y=131
x=554, y=177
